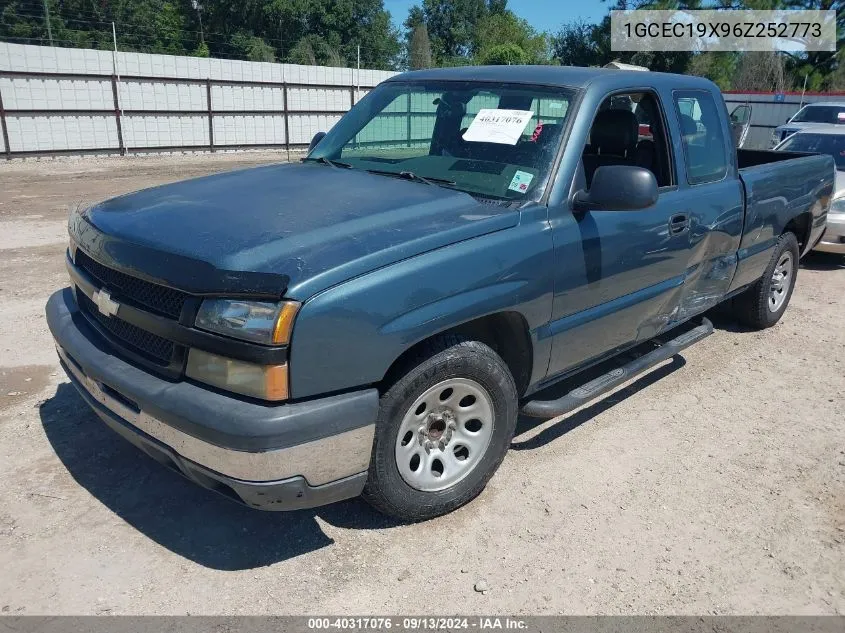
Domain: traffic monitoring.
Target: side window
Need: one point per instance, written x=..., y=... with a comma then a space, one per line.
x=701, y=133
x=628, y=129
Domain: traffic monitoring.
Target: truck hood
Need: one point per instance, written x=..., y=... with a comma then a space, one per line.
x=300, y=228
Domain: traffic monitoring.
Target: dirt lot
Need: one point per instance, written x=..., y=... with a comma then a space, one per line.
x=715, y=484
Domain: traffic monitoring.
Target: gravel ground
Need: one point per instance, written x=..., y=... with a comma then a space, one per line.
x=715, y=484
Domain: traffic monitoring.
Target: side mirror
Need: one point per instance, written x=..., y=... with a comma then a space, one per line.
x=618, y=188
x=314, y=141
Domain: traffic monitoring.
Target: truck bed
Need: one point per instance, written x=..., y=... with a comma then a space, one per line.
x=747, y=158
x=780, y=186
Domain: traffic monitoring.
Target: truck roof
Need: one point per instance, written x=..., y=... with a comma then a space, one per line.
x=563, y=76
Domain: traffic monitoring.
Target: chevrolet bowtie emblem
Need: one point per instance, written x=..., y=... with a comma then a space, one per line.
x=105, y=304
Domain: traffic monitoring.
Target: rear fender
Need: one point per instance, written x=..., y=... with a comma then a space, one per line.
x=778, y=195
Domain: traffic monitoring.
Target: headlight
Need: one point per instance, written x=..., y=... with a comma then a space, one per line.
x=268, y=382
x=255, y=321
x=838, y=205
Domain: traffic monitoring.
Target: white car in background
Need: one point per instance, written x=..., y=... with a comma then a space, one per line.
x=826, y=139
x=813, y=115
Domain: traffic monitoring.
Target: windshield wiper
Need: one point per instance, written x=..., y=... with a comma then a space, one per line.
x=409, y=175
x=326, y=161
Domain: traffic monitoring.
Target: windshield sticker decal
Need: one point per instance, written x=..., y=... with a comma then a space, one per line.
x=520, y=182
x=504, y=127
x=840, y=116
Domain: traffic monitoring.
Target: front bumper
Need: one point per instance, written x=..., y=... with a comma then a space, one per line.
x=273, y=457
x=833, y=240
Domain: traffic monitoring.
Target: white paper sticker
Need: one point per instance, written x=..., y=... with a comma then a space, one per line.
x=840, y=116
x=497, y=126
x=520, y=182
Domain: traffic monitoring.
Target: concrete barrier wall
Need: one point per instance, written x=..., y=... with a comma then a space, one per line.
x=60, y=100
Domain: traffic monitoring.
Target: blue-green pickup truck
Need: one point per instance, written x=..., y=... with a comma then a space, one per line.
x=373, y=319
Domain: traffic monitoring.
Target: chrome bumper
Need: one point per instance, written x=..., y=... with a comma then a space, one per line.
x=319, y=462
x=833, y=240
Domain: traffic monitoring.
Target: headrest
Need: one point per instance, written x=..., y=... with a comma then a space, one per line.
x=449, y=107
x=614, y=132
x=688, y=125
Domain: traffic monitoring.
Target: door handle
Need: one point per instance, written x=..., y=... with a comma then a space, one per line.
x=678, y=223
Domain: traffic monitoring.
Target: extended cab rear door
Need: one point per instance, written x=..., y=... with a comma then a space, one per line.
x=711, y=197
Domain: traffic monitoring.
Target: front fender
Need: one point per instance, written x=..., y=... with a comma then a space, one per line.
x=351, y=334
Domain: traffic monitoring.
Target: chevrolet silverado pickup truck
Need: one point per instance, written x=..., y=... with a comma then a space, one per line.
x=371, y=320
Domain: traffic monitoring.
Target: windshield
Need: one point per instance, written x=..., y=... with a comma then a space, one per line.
x=833, y=144
x=820, y=114
x=491, y=140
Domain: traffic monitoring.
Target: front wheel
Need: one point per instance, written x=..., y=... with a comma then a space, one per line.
x=763, y=304
x=444, y=427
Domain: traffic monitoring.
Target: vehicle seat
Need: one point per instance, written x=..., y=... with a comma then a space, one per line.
x=646, y=155
x=688, y=125
x=613, y=140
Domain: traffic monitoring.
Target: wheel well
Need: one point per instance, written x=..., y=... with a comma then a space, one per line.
x=800, y=226
x=505, y=332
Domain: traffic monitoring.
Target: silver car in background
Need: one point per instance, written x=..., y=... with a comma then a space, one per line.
x=826, y=139
x=821, y=114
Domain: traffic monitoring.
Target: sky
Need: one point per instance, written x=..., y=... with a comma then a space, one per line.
x=543, y=15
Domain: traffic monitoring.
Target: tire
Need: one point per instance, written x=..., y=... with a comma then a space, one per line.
x=761, y=306
x=469, y=449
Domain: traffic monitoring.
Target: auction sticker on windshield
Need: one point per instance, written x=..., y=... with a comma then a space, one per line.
x=520, y=182
x=498, y=126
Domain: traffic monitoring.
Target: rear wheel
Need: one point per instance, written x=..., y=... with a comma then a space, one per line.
x=763, y=304
x=444, y=427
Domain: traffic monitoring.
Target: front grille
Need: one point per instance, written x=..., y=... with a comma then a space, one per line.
x=158, y=350
x=165, y=301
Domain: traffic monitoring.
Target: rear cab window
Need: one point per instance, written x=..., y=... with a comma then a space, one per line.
x=702, y=136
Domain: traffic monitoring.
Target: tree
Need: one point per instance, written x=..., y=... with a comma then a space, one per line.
x=252, y=48
x=718, y=67
x=576, y=44
x=837, y=78
x=475, y=31
x=201, y=50
x=504, y=31
x=760, y=71
x=504, y=54
x=819, y=67
x=452, y=27
x=419, y=55
x=247, y=29
x=313, y=50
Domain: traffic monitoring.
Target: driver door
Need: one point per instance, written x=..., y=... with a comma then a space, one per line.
x=618, y=274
